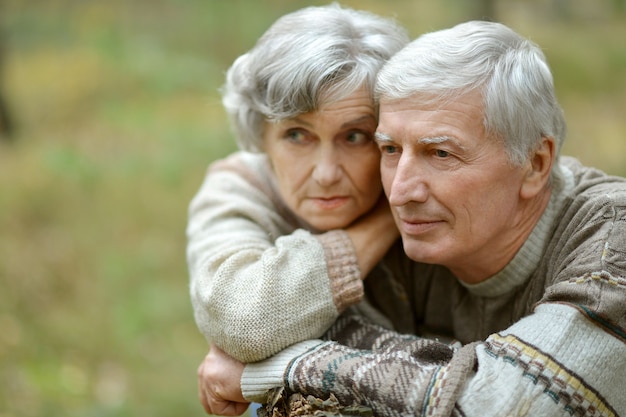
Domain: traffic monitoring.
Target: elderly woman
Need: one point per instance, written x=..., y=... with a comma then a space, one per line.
x=282, y=233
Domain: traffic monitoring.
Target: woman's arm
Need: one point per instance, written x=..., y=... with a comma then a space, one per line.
x=259, y=284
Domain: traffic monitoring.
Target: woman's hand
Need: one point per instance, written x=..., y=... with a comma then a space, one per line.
x=372, y=235
x=219, y=384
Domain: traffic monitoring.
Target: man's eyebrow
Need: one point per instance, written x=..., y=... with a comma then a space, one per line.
x=382, y=137
x=440, y=139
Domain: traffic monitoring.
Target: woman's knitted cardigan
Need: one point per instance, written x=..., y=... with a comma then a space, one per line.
x=260, y=279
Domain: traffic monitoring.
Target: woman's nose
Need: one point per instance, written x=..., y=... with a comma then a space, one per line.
x=327, y=169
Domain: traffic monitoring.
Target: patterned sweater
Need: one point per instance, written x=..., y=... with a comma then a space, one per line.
x=260, y=279
x=546, y=336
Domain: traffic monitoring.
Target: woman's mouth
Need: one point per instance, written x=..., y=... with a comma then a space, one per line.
x=329, y=203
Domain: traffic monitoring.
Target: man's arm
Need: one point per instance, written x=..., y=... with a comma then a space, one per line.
x=219, y=374
x=553, y=362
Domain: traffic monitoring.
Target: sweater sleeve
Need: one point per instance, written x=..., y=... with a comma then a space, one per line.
x=257, y=284
x=553, y=362
x=357, y=329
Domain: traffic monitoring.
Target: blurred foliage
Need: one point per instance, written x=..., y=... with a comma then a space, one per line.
x=117, y=115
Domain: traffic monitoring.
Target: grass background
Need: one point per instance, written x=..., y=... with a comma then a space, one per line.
x=117, y=115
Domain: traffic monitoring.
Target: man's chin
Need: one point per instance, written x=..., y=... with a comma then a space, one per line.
x=419, y=251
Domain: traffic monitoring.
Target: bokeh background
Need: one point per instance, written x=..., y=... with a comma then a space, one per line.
x=114, y=116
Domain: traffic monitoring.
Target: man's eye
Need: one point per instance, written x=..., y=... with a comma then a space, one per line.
x=388, y=149
x=442, y=154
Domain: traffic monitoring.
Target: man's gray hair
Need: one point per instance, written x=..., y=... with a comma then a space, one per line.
x=306, y=59
x=509, y=71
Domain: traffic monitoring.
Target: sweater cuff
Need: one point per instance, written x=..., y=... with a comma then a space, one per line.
x=259, y=377
x=343, y=269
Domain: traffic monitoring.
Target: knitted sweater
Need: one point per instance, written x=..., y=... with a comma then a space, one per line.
x=545, y=336
x=260, y=279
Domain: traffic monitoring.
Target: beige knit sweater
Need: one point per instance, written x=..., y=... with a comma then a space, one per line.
x=261, y=280
x=546, y=336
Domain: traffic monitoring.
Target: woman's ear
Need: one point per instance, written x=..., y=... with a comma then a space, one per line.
x=539, y=169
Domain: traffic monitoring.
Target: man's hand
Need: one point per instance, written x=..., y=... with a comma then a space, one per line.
x=219, y=384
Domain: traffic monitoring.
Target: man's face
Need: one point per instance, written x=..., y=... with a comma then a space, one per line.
x=453, y=193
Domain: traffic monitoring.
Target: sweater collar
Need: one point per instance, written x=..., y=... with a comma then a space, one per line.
x=521, y=267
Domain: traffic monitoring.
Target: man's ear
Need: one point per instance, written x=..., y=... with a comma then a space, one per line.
x=539, y=169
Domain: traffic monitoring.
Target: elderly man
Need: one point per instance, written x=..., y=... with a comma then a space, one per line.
x=518, y=254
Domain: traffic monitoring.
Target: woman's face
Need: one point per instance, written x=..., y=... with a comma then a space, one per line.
x=326, y=162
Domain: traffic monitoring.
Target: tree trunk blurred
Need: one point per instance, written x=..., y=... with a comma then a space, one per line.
x=6, y=124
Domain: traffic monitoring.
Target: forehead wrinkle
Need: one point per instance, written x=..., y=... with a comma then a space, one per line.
x=302, y=121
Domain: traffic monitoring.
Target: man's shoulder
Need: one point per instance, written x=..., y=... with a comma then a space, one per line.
x=592, y=186
x=593, y=204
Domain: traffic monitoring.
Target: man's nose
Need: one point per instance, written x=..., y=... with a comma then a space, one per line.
x=409, y=183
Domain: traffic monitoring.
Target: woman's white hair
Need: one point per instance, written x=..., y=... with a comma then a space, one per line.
x=306, y=59
x=510, y=72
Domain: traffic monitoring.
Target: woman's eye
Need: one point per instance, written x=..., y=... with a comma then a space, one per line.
x=358, y=138
x=295, y=136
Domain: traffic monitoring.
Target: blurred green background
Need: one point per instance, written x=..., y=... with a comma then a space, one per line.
x=116, y=115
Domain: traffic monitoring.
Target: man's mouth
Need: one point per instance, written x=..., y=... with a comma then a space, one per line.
x=412, y=226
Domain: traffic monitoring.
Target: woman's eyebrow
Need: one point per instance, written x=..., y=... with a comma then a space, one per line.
x=297, y=120
x=360, y=120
